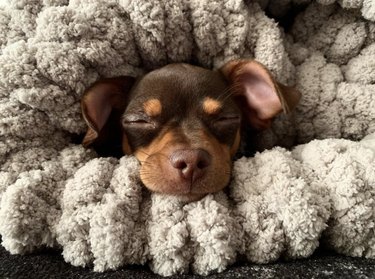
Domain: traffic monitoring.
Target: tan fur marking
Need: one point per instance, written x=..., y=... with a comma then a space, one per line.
x=236, y=144
x=125, y=145
x=152, y=107
x=211, y=106
x=156, y=146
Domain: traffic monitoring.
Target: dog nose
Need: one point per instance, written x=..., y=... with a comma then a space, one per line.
x=190, y=163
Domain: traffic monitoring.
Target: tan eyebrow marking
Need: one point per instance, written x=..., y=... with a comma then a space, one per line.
x=152, y=107
x=211, y=106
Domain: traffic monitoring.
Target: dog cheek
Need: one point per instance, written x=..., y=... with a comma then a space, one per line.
x=219, y=180
x=236, y=144
x=219, y=175
x=125, y=145
x=151, y=174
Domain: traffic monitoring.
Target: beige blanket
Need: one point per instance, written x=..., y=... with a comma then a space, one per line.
x=55, y=193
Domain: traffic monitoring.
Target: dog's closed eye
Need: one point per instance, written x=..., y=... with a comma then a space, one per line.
x=138, y=120
x=229, y=119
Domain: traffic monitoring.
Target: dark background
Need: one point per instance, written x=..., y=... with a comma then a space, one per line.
x=50, y=264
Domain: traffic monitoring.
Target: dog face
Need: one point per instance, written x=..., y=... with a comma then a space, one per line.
x=183, y=122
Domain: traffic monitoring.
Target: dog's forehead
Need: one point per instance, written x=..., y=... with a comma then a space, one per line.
x=181, y=82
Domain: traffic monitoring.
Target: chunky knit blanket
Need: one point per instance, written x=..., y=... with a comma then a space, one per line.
x=281, y=202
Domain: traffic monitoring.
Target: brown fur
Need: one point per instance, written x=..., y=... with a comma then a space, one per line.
x=182, y=109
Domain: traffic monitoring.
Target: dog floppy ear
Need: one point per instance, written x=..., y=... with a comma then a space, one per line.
x=257, y=93
x=102, y=106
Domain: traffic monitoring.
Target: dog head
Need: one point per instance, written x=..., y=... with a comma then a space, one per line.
x=183, y=122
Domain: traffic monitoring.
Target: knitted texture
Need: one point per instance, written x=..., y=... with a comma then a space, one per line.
x=55, y=193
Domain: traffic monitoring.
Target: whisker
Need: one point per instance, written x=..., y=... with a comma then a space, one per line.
x=147, y=172
x=142, y=161
x=164, y=155
x=229, y=92
x=146, y=163
x=144, y=153
x=224, y=94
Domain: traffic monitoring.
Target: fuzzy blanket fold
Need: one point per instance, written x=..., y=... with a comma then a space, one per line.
x=280, y=203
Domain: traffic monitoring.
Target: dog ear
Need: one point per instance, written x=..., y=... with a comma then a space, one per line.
x=257, y=93
x=102, y=106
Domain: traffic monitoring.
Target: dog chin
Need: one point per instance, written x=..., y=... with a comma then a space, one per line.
x=189, y=197
x=184, y=194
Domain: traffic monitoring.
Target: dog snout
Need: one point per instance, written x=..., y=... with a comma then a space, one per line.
x=191, y=164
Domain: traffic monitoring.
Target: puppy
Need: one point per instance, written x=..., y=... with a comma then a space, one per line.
x=183, y=122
